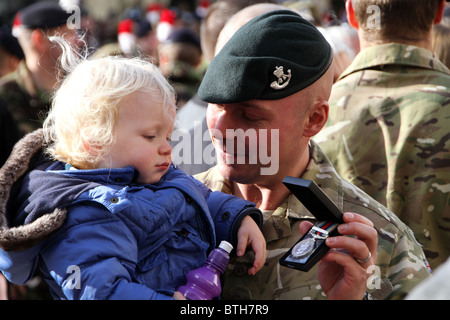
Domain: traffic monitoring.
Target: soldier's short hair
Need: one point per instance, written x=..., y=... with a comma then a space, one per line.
x=395, y=20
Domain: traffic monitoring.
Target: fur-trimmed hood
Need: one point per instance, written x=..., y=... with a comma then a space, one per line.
x=33, y=201
x=25, y=236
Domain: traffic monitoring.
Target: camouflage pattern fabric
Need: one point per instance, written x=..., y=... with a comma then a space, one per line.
x=27, y=104
x=401, y=262
x=388, y=133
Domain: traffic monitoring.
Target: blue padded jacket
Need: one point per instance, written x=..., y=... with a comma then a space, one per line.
x=119, y=239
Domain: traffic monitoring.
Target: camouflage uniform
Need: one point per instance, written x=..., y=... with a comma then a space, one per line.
x=27, y=104
x=388, y=133
x=401, y=262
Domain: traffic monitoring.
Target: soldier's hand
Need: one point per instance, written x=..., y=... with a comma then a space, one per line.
x=342, y=271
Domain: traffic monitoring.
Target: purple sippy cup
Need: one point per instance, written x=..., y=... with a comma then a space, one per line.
x=204, y=283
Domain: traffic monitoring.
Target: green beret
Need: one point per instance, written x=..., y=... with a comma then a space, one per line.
x=43, y=15
x=271, y=57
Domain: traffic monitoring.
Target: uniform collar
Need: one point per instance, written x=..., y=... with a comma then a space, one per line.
x=394, y=54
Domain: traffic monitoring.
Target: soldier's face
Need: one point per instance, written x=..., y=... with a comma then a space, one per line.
x=272, y=129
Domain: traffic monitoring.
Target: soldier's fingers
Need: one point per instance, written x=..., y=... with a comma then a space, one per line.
x=358, y=238
x=361, y=228
x=305, y=226
x=353, y=247
x=354, y=217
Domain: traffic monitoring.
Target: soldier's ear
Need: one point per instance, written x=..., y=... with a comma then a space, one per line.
x=440, y=12
x=316, y=119
x=351, y=15
x=38, y=39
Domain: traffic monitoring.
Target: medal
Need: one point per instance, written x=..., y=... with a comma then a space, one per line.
x=303, y=248
x=318, y=232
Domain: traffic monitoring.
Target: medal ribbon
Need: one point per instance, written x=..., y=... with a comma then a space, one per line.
x=323, y=228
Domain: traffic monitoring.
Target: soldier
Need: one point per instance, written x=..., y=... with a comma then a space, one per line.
x=10, y=56
x=26, y=92
x=10, y=52
x=387, y=130
x=245, y=93
x=135, y=38
x=180, y=56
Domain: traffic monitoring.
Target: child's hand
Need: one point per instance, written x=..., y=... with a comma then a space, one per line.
x=178, y=296
x=250, y=234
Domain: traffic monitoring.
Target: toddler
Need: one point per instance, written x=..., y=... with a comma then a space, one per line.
x=133, y=225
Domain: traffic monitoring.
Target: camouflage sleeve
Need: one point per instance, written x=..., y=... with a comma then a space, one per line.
x=401, y=263
x=435, y=288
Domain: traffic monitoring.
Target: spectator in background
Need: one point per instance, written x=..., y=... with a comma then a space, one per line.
x=441, y=43
x=135, y=37
x=9, y=133
x=147, y=42
x=26, y=91
x=10, y=52
x=344, y=41
x=10, y=56
x=387, y=131
x=180, y=56
x=441, y=38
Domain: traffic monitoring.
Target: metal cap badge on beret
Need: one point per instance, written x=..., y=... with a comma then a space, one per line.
x=43, y=15
x=271, y=57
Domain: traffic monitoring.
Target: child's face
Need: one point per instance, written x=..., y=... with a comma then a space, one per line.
x=141, y=136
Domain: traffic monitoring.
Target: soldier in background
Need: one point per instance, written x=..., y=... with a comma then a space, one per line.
x=441, y=39
x=27, y=91
x=135, y=38
x=10, y=56
x=180, y=56
x=387, y=130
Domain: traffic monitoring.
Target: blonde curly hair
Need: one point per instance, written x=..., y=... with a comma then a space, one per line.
x=84, y=108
